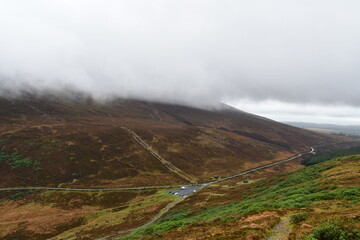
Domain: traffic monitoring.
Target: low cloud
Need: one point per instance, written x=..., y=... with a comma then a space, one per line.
x=301, y=112
x=197, y=52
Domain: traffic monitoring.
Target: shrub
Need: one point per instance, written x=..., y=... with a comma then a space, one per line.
x=177, y=216
x=18, y=195
x=331, y=230
x=350, y=193
x=298, y=217
x=55, y=143
x=15, y=160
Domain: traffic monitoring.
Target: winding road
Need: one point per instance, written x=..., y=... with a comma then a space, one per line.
x=184, y=190
x=193, y=186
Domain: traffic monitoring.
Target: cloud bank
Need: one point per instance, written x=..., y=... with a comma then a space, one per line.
x=301, y=112
x=184, y=51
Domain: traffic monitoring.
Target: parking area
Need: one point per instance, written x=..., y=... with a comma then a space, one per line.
x=187, y=190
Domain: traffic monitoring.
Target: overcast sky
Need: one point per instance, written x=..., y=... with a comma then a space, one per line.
x=284, y=59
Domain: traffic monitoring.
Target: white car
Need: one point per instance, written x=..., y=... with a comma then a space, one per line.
x=182, y=187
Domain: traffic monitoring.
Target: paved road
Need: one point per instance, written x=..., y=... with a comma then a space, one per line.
x=312, y=151
x=162, y=187
x=187, y=190
x=88, y=189
x=183, y=190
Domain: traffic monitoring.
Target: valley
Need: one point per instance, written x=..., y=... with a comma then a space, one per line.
x=83, y=170
x=179, y=120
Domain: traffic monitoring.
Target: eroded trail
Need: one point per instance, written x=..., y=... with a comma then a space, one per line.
x=157, y=217
x=282, y=230
x=166, y=163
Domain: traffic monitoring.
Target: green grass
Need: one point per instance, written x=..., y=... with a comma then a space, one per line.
x=291, y=191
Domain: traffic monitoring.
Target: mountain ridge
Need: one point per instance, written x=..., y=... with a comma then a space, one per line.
x=84, y=142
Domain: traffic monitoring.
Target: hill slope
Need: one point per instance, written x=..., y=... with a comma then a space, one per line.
x=78, y=142
x=321, y=201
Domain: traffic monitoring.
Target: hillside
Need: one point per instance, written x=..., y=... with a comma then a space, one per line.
x=281, y=201
x=313, y=203
x=75, y=141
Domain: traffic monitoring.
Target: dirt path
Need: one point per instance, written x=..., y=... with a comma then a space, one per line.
x=157, y=217
x=282, y=230
x=167, y=164
x=157, y=187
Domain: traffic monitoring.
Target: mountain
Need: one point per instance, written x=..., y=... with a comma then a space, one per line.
x=76, y=141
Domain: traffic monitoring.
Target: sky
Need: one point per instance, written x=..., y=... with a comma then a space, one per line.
x=289, y=60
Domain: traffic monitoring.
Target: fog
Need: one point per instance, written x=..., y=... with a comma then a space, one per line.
x=301, y=112
x=194, y=52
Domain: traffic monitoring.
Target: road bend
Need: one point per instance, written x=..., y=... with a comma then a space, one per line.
x=196, y=186
x=187, y=190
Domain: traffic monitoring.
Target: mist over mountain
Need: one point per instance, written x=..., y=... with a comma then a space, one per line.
x=162, y=119
x=330, y=128
x=99, y=137
x=197, y=53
